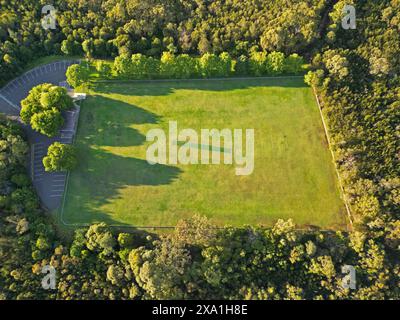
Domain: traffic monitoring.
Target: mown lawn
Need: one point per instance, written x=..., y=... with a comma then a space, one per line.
x=293, y=177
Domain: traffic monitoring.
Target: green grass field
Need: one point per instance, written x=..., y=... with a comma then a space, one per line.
x=294, y=175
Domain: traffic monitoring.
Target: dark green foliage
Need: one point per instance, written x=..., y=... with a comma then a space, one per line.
x=356, y=76
x=100, y=29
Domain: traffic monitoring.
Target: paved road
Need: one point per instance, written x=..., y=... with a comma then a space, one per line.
x=50, y=186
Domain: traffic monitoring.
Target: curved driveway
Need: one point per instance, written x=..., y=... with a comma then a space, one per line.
x=50, y=186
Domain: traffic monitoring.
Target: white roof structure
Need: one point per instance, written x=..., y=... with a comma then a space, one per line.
x=78, y=96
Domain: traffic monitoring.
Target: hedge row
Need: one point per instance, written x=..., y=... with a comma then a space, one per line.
x=209, y=65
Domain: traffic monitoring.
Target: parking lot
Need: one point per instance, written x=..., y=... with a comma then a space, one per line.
x=50, y=186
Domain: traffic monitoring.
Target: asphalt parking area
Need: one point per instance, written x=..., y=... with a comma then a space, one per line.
x=50, y=186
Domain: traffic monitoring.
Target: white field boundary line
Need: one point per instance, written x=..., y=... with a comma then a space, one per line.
x=156, y=80
x=171, y=227
x=334, y=161
x=198, y=79
x=66, y=184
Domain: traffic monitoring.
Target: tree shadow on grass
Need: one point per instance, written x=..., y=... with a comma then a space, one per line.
x=102, y=175
x=156, y=88
x=109, y=122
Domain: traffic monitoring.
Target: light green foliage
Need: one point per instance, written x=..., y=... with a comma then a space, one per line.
x=160, y=271
x=187, y=67
x=99, y=238
x=42, y=108
x=372, y=259
x=121, y=66
x=47, y=122
x=115, y=274
x=294, y=293
x=55, y=97
x=209, y=65
x=275, y=63
x=336, y=64
x=197, y=230
x=367, y=206
x=168, y=65
x=311, y=248
x=42, y=243
x=323, y=266
x=143, y=67
x=178, y=67
x=137, y=66
x=77, y=75
x=257, y=63
x=314, y=78
x=104, y=69
x=60, y=157
x=87, y=47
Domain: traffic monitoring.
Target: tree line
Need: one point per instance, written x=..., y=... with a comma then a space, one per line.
x=208, y=65
x=104, y=29
x=195, y=261
x=184, y=66
x=356, y=75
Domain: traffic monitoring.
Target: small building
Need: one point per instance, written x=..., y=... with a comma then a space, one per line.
x=77, y=96
x=74, y=95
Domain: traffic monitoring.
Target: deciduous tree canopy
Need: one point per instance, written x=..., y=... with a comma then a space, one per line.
x=42, y=108
x=60, y=157
x=356, y=75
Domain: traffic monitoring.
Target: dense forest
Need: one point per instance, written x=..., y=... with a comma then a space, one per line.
x=101, y=29
x=354, y=72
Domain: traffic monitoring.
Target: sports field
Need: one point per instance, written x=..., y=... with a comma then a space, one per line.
x=293, y=174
